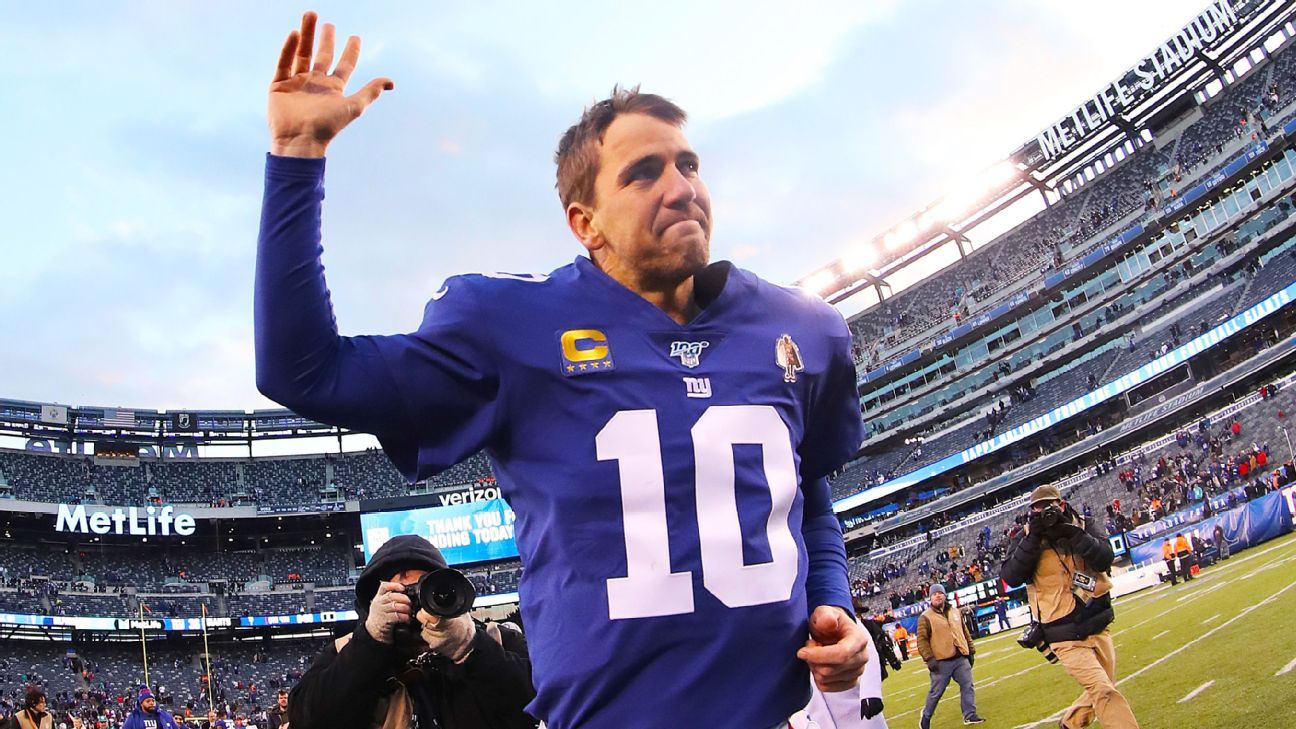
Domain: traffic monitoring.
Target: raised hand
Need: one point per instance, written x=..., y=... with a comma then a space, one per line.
x=307, y=104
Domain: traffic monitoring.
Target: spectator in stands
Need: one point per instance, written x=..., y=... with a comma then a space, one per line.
x=452, y=674
x=147, y=715
x=33, y=714
x=278, y=716
x=946, y=646
x=1063, y=561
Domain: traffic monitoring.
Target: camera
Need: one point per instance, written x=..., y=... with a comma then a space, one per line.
x=445, y=593
x=1048, y=517
x=1033, y=637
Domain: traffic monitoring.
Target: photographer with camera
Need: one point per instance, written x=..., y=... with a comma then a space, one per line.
x=1063, y=561
x=416, y=658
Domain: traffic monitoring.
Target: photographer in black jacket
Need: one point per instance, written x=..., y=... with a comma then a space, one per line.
x=1063, y=561
x=389, y=673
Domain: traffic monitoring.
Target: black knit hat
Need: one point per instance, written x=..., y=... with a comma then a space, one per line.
x=396, y=555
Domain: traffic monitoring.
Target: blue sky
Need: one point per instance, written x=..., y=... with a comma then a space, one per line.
x=136, y=138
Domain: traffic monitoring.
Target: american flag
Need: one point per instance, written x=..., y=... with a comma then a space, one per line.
x=119, y=418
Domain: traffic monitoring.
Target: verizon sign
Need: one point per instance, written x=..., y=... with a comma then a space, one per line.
x=133, y=521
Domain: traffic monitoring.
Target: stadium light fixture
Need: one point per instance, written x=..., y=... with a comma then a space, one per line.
x=819, y=282
x=860, y=258
x=1002, y=173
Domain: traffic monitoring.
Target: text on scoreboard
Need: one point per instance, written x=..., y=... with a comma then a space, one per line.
x=477, y=531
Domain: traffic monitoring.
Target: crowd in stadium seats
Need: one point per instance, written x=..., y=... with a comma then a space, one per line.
x=1230, y=459
x=300, y=480
x=97, y=681
x=1197, y=309
x=1253, y=108
x=177, y=582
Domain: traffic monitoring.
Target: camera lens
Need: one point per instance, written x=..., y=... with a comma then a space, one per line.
x=446, y=593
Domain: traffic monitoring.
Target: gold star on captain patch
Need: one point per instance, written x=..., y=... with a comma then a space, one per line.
x=583, y=367
x=571, y=368
x=607, y=363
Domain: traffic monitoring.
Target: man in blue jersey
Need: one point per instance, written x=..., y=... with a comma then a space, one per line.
x=662, y=428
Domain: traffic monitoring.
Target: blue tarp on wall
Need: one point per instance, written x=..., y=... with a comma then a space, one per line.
x=1244, y=526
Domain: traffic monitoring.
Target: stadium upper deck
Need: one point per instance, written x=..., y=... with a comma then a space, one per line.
x=1149, y=239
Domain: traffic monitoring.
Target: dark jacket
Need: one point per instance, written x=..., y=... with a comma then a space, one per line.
x=360, y=682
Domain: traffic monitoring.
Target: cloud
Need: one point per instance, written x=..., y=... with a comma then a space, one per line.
x=140, y=144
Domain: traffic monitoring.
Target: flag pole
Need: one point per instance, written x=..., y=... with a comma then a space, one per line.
x=211, y=705
x=143, y=646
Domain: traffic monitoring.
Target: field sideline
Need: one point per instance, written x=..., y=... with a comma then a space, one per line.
x=1217, y=652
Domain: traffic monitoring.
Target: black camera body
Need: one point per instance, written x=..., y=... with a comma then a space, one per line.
x=445, y=593
x=1049, y=517
x=1033, y=638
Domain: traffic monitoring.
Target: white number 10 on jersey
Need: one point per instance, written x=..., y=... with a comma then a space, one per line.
x=650, y=589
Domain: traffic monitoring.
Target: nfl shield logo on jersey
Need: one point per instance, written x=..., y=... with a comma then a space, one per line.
x=788, y=356
x=689, y=353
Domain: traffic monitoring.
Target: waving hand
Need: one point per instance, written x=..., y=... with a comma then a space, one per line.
x=307, y=104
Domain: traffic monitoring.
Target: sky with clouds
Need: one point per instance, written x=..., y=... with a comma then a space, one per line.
x=136, y=139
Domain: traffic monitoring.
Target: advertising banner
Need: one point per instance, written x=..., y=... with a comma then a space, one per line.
x=476, y=531
x=1244, y=526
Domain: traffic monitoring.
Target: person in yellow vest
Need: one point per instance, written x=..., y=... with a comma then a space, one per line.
x=946, y=647
x=1168, y=554
x=1063, y=560
x=1183, y=550
x=33, y=714
x=901, y=638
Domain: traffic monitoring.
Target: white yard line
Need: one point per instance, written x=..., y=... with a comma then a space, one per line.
x=1158, y=635
x=1201, y=592
x=1287, y=668
x=1193, y=694
x=1046, y=720
x=1225, y=569
x=1207, y=620
x=954, y=695
x=1242, y=614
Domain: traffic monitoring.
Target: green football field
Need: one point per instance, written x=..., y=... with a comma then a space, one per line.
x=1219, y=651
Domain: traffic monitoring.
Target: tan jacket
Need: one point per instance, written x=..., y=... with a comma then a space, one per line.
x=943, y=635
x=25, y=721
x=1049, y=590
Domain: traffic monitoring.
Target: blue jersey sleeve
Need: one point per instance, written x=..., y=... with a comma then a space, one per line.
x=827, y=580
x=834, y=426
x=834, y=431
x=429, y=396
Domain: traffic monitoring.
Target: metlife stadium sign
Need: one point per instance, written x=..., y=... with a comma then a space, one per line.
x=130, y=521
x=1204, y=32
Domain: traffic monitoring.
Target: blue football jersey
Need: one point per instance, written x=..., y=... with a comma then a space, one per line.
x=661, y=473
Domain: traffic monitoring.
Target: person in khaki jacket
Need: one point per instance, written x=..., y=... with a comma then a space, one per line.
x=946, y=647
x=1063, y=561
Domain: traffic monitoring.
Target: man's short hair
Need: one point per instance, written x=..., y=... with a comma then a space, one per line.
x=577, y=156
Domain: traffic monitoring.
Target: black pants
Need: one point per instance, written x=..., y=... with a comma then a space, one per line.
x=1185, y=565
x=1170, y=566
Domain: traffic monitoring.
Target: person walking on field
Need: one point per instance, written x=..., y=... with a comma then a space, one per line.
x=946, y=647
